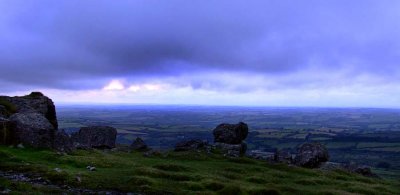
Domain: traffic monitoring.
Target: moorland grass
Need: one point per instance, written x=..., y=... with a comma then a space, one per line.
x=182, y=173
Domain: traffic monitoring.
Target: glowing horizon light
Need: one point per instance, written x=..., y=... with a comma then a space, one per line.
x=134, y=88
x=114, y=85
x=152, y=87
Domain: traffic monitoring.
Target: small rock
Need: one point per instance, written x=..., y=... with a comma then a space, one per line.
x=6, y=191
x=78, y=179
x=152, y=153
x=139, y=145
x=232, y=150
x=90, y=168
x=58, y=170
x=191, y=145
x=21, y=146
x=65, y=187
x=283, y=156
x=363, y=170
x=359, y=169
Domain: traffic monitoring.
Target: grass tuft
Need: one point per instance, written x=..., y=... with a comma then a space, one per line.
x=171, y=167
x=256, y=180
x=214, y=186
x=231, y=189
x=262, y=191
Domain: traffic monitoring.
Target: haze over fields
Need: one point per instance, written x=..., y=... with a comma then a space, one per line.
x=263, y=53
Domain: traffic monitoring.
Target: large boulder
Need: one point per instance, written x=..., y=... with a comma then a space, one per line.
x=230, y=133
x=190, y=145
x=232, y=150
x=35, y=102
x=101, y=137
x=7, y=133
x=311, y=155
x=63, y=142
x=138, y=145
x=31, y=121
x=33, y=129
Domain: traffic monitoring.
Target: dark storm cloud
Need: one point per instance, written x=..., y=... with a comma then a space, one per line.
x=82, y=44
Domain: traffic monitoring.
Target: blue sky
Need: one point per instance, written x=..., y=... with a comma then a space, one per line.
x=262, y=53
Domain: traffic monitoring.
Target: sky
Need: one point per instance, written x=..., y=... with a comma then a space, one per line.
x=331, y=53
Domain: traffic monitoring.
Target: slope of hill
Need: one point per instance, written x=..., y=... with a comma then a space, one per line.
x=46, y=171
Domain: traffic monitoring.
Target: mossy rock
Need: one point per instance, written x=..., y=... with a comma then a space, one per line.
x=9, y=107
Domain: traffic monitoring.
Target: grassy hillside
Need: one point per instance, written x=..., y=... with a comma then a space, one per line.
x=180, y=173
x=365, y=136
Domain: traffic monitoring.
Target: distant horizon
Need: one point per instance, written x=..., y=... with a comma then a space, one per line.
x=83, y=104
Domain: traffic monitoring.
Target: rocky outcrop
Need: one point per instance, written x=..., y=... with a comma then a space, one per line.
x=30, y=120
x=311, y=155
x=139, y=145
x=35, y=102
x=229, y=138
x=33, y=129
x=230, y=133
x=100, y=137
x=191, y=145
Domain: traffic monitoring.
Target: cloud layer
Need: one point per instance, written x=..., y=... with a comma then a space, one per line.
x=232, y=46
